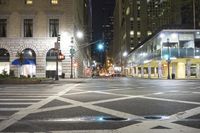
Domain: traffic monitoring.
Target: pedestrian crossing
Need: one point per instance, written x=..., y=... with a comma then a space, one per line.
x=14, y=98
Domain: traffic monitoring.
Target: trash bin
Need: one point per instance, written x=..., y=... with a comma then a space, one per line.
x=173, y=76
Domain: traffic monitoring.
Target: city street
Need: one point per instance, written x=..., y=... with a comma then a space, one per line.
x=104, y=105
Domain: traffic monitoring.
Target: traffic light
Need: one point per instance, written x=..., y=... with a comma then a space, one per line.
x=61, y=56
x=58, y=38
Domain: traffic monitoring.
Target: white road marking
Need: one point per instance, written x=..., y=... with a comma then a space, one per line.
x=159, y=93
x=22, y=113
x=99, y=109
x=170, y=100
x=11, y=109
x=36, y=100
x=17, y=103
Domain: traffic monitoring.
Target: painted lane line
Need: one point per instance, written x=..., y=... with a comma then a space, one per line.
x=23, y=113
x=11, y=109
x=4, y=117
x=185, y=114
x=159, y=93
x=170, y=100
x=102, y=92
x=18, y=103
x=36, y=100
x=76, y=105
x=99, y=109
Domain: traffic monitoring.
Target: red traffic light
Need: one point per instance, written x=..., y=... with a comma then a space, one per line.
x=61, y=56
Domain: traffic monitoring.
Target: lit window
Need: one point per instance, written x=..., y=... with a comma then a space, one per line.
x=28, y=2
x=138, y=33
x=131, y=19
x=54, y=2
x=138, y=18
x=128, y=11
x=149, y=33
x=132, y=33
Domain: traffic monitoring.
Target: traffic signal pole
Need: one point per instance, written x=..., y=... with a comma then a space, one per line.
x=57, y=54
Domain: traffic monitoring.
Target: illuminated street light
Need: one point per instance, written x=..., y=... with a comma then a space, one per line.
x=79, y=35
x=125, y=54
x=100, y=46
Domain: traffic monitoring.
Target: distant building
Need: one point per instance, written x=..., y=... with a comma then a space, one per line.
x=31, y=28
x=178, y=49
x=137, y=20
x=104, y=30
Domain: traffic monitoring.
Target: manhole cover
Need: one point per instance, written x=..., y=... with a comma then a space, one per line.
x=156, y=117
x=114, y=119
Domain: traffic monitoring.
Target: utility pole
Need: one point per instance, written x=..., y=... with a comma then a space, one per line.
x=57, y=48
x=168, y=60
x=72, y=52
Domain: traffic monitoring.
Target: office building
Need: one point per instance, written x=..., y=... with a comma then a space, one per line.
x=137, y=21
x=30, y=28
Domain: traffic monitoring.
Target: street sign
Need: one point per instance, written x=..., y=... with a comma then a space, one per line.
x=57, y=45
x=72, y=51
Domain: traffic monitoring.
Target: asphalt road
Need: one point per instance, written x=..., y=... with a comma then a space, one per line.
x=117, y=105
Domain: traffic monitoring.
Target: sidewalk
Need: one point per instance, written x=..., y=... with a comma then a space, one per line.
x=66, y=80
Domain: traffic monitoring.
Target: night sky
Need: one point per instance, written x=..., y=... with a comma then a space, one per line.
x=99, y=16
x=101, y=10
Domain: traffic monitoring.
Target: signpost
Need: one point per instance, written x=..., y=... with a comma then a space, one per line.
x=72, y=52
x=57, y=48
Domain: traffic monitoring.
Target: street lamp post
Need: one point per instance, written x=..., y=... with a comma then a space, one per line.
x=57, y=47
x=168, y=60
x=57, y=77
x=123, y=55
x=72, y=52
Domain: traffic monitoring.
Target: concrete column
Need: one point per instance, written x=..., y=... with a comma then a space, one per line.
x=197, y=70
x=136, y=71
x=15, y=68
x=174, y=69
x=160, y=70
x=180, y=70
x=41, y=67
x=132, y=70
x=142, y=71
x=149, y=70
x=155, y=72
x=188, y=68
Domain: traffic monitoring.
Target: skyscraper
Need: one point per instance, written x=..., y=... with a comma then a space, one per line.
x=135, y=20
x=103, y=27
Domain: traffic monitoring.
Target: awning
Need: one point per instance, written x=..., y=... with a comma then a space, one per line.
x=24, y=62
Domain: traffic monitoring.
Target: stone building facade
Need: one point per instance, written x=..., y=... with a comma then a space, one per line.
x=35, y=25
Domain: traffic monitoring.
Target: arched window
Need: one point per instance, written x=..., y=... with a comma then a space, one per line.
x=4, y=55
x=28, y=54
x=51, y=55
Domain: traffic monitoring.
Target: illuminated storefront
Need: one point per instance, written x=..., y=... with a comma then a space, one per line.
x=178, y=49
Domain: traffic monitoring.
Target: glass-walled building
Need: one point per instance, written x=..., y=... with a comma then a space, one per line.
x=178, y=49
